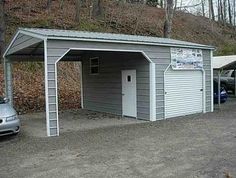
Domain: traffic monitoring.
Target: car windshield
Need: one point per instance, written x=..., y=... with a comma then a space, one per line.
x=2, y=101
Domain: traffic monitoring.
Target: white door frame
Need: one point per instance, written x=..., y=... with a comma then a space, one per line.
x=135, y=90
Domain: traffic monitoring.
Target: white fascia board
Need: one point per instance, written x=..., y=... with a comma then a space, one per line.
x=212, y=87
x=130, y=42
x=104, y=49
x=81, y=86
x=165, y=90
x=152, y=78
x=57, y=110
x=204, y=90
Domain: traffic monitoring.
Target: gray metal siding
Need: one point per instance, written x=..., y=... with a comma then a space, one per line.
x=161, y=57
x=95, y=96
x=52, y=57
x=21, y=42
x=103, y=92
x=207, y=68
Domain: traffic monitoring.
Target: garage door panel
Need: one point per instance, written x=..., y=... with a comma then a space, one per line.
x=183, y=93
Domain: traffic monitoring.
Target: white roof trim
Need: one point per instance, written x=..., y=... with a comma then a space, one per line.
x=130, y=42
x=220, y=62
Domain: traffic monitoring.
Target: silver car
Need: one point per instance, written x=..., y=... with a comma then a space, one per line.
x=9, y=121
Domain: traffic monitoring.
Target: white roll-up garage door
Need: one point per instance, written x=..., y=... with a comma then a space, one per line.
x=183, y=92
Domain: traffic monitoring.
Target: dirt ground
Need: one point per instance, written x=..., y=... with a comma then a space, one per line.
x=194, y=146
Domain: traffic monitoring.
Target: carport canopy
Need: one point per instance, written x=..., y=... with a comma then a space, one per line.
x=221, y=63
x=51, y=46
x=224, y=62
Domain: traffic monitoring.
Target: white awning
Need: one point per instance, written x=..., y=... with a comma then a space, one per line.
x=224, y=62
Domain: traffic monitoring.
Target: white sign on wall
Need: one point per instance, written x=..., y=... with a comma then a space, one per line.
x=183, y=58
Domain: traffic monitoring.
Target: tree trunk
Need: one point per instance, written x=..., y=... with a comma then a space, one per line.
x=97, y=11
x=221, y=11
x=49, y=3
x=234, y=4
x=224, y=12
x=168, y=18
x=2, y=28
x=181, y=4
x=230, y=13
x=212, y=11
x=218, y=8
x=62, y=4
x=77, y=10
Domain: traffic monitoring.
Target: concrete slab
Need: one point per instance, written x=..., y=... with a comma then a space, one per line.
x=34, y=124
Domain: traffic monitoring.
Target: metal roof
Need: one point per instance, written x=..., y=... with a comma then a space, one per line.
x=224, y=62
x=109, y=37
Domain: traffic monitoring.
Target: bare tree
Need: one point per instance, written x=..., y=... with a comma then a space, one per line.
x=211, y=10
x=77, y=10
x=168, y=18
x=234, y=6
x=2, y=27
x=230, y=13
x=220, y=11
x=224, y=12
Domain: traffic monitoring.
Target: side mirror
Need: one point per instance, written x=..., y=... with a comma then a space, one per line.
x=6, y=100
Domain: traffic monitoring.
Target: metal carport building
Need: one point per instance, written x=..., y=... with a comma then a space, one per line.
x=143, y=77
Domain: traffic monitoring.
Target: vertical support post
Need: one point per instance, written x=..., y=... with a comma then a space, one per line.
x=81, y=85
x=152, y=72
x=219, y=87
x=8, y=80
x=212, y=84
x=204, y=90
x=46, y=87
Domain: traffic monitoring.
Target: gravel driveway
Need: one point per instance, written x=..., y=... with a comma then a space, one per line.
x=193, y=146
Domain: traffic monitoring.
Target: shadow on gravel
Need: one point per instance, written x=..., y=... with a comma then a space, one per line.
x=8, y=138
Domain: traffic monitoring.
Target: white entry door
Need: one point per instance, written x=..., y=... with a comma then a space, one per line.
x=129, y=96
x=183, y=93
